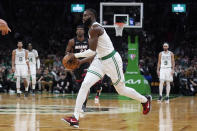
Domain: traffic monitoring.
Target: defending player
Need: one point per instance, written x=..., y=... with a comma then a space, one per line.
x=107, y=61
x=20, y=65
x=77, y=45
x=33, y=61
x=165, y=71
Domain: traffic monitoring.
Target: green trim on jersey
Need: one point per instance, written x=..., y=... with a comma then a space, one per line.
x=94, y=72
x=118, y=71
x=109, y=55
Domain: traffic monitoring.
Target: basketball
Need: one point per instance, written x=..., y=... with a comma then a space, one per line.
x=70, y=62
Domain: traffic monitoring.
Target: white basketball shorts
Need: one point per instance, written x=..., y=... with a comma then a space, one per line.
x=21, y=71
x=165, y=74
x=112, y=67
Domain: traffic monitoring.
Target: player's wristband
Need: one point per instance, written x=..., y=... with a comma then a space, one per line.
x=86, y=53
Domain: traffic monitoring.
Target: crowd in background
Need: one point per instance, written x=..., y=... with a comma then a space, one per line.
x=48, y=25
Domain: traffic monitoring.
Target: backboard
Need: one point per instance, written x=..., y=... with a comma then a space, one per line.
x=129, y=13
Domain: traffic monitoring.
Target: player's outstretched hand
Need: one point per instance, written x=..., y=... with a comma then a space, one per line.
x=4, y=27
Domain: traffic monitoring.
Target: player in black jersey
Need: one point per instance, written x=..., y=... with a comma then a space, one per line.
x=76, y=45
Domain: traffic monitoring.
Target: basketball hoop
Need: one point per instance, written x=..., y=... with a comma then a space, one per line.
x=119, y=28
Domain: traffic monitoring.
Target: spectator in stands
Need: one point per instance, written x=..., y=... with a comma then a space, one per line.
x=63, y=85
x=10, y=81
x=39, y=77
x=47, y=80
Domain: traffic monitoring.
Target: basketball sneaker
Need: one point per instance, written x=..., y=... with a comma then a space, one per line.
x=147, y=105
x=18, y=94
x=160, y=99
x=72, y=121
x=96, y=99
x=26, y=93
x=33, y=92
x=167, y=99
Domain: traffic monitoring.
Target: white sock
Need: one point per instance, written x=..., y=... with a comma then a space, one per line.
x=161, y=87
x=167, y=89
x=28, y=81
x=33, y=82
x=33, y=87
x=26, y=88
x=89, y=81
x=18, y=85
x=130, y=92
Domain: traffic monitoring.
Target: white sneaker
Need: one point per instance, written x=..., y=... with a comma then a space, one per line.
x=96, y=100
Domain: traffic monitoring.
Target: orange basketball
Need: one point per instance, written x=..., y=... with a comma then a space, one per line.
x=70, y=62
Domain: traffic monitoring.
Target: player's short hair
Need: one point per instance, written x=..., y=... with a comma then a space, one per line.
x=166, y=44
x=19, y=41
x=80, y=26
x=93, y=11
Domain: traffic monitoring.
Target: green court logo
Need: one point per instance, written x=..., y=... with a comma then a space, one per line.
x=133, y=82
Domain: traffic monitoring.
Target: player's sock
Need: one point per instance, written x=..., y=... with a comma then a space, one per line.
x=26, y=88
x=161, y=88
x=18, y=85
x=33, y=87
x=167, y=89
x=33, y=82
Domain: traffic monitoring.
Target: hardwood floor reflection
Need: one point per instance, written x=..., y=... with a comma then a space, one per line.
x=43, y=113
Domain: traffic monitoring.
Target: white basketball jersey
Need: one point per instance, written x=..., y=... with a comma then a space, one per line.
x=166, y=59
x=104, y=46
x=32, y=56
x=20, y=57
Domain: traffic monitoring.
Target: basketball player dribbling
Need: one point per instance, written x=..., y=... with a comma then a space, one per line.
x=107, y=61
x=77, y=45
x=20, y=66
x=165, y=71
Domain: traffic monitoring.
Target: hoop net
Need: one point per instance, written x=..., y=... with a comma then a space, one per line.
x=119, y=28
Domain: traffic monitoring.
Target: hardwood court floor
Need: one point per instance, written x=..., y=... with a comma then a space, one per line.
x=43, y=113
